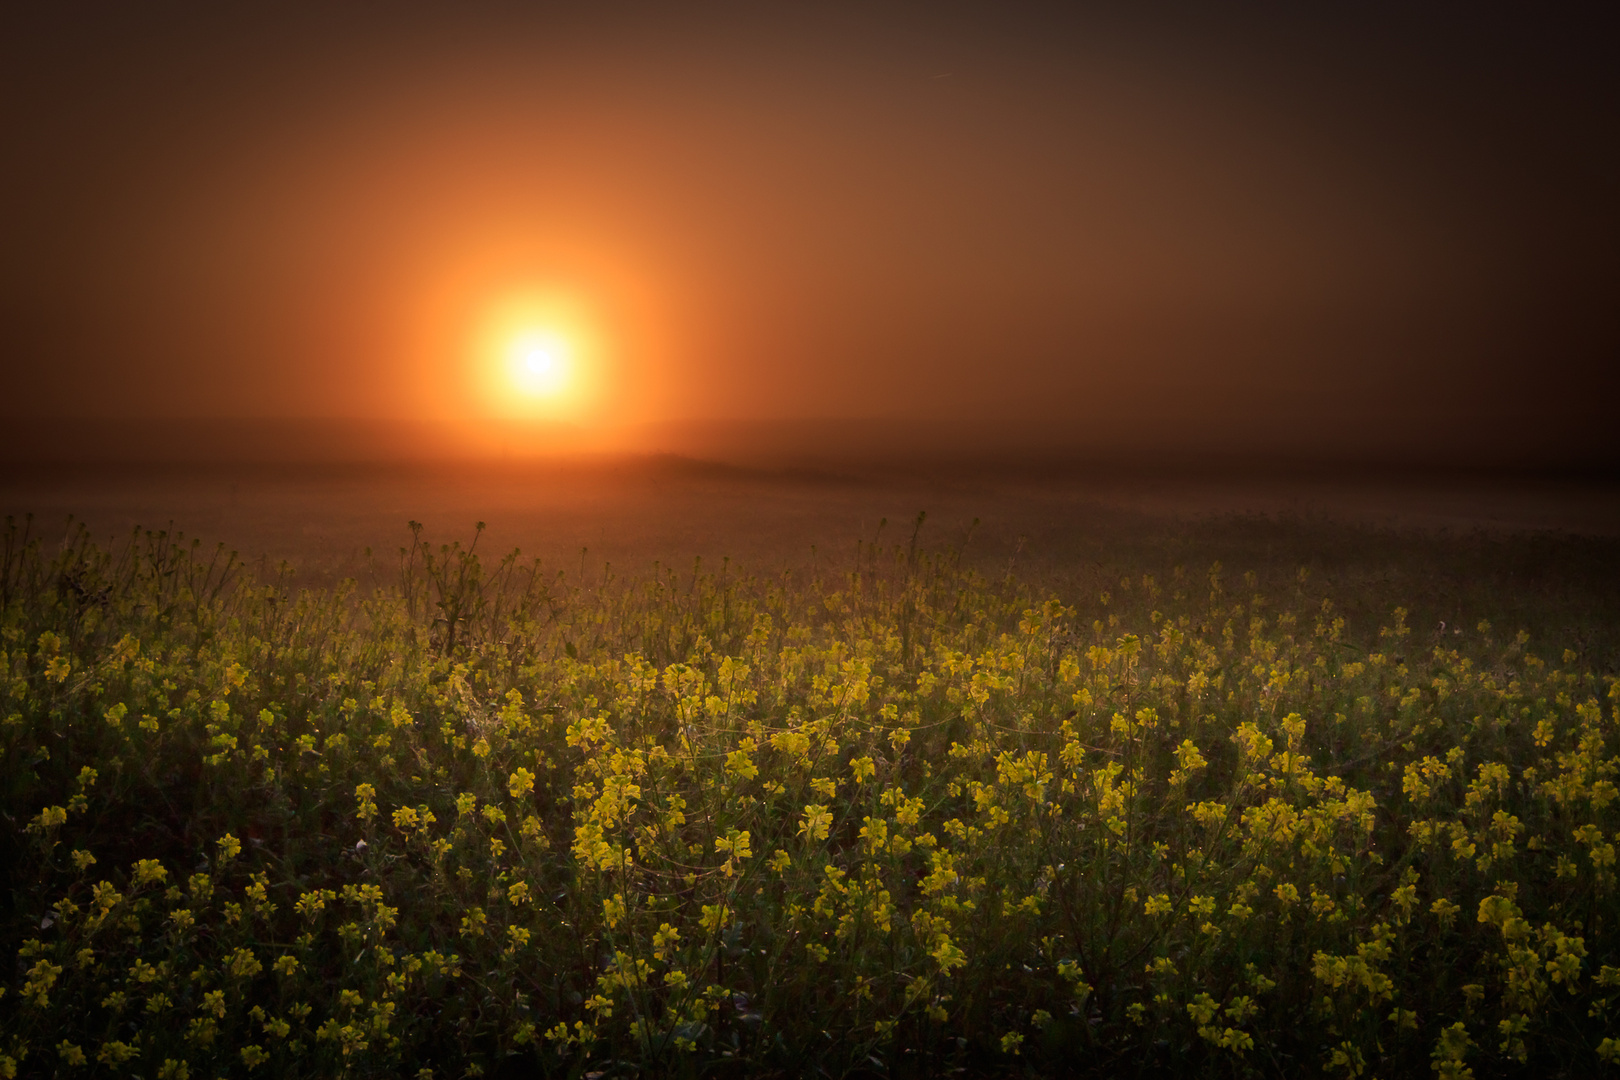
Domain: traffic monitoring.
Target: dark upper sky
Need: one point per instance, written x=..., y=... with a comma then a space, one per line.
x=1369, y=231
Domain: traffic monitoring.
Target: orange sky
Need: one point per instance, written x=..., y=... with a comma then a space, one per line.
x=1251, y=234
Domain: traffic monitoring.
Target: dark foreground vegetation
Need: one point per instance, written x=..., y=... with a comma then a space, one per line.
x=899, y=819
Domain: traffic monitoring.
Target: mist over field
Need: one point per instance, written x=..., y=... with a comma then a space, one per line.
x=1073, y=526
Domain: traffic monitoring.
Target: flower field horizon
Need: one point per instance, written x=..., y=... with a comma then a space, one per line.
x=899, y=817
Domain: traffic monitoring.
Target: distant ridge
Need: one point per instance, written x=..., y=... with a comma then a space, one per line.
x=805, y=450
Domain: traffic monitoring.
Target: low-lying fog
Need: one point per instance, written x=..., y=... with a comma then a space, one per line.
x=1064, y=525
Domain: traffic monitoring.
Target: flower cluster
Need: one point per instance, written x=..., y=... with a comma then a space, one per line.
x=901, y=812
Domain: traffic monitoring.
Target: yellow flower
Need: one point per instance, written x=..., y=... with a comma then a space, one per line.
x=49, y=818
x=613, y=909
x=116, y=1053
x=735, y=846
x=664, y=939
x=946, y=954
x=741, y=766
x=520, y=783
x=817, y=822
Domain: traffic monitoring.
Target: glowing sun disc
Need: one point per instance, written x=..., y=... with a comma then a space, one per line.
x=540, y=370
x=537, y=355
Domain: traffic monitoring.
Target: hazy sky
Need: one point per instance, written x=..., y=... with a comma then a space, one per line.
x=1335, y=232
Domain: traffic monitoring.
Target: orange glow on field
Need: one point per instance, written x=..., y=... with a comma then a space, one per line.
x=539, y=355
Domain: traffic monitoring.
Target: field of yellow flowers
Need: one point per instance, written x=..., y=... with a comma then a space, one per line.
x=901, y=819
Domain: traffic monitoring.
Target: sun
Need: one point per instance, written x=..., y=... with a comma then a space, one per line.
x=539, y=365
x=539, y=356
